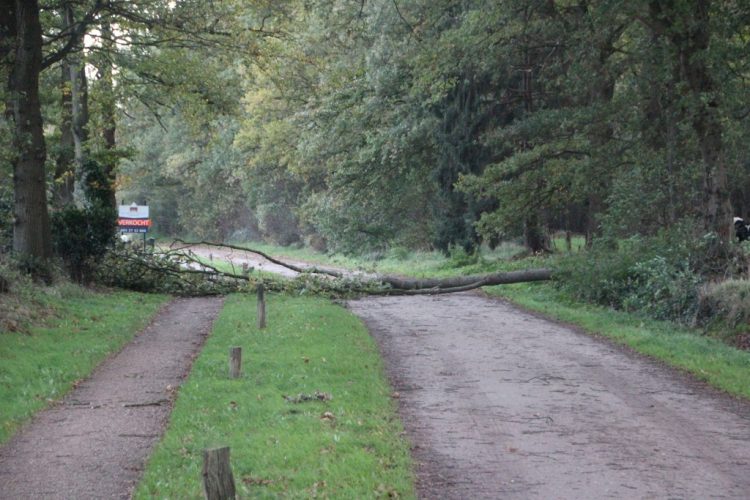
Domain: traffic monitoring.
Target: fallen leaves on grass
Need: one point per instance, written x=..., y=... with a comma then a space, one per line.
x=256, y=481
x=303, y=398
x=386, y=491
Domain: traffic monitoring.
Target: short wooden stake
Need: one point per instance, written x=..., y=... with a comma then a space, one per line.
x=261, y=307
x=235, y=362
x=218, y=482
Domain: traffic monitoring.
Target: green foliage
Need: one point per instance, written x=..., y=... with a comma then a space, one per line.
x=458, y=257
x=176, y=274
x=82, y=236
x=725, y=304
x=129, y=268
x=659, y=276
x=432, y=125
x=350, y=446
x=190, y=178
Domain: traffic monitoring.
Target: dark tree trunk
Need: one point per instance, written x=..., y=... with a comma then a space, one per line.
x=689, y=30
x=7, y=31
x=717, y=216
x=80, y=114
x=31, y=229
x=593, y=206
x=108, y=112
x=601, y=92
x=64, y=164
x=534, y=236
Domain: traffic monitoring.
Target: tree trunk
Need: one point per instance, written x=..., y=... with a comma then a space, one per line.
x=398, y=285
x=108, y=113
x=717, y=215
x=533, y=235
x=451, y=284
x=535, y=238
x=64, y=164
x=689, y=30
x=31, y=228
x=80, y=114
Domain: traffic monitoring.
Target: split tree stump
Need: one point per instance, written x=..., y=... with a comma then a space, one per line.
x=218, y=482
x=235, y=362
x=261, y=307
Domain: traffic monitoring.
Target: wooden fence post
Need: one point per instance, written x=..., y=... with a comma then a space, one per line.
x=235, y=362
x=218, y=482
x=261, y=307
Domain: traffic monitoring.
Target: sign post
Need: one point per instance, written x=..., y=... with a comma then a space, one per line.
x=134, y=219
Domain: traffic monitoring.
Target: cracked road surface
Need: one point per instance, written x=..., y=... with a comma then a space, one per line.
x=499, y=403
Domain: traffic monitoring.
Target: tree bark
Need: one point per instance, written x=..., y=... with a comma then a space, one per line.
x=435, y=284
x=108, y=113
x=31, y=228
x=688, y=28
x=398, y=285
x=706, y=121
x=80, y=114
x=64, y=163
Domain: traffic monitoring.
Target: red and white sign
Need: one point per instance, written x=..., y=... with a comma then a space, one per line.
x=133, y=218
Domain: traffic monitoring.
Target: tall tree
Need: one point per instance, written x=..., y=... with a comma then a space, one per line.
x=31, y=229
x=687, y=25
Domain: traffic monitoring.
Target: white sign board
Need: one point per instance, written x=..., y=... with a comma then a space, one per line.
x=133, y=218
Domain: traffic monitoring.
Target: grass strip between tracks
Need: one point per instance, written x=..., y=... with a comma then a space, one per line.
x=350, y=446
x=82, y=328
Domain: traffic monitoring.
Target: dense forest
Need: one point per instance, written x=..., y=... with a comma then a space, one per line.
x=357, y=126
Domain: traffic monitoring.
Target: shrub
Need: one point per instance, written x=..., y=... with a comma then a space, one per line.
x=726, y=302
x=158, y=273
x=399, y=253
x=663, y=289
x=658, y=276
x=82, y=236
x=459, y=257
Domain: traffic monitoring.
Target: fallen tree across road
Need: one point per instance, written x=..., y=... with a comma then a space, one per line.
x=195, y=259
x=408, y=286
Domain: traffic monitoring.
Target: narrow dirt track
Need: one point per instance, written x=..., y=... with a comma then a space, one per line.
x=502, y=404
x=94, y=443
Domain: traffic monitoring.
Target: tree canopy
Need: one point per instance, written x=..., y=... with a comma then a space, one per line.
x=356, y=126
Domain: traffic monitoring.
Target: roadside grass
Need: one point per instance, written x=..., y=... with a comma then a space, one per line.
x=350, y=446
x=703, y=355
x=43, y=361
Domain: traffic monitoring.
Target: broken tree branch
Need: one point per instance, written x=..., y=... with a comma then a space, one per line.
x=392, y=285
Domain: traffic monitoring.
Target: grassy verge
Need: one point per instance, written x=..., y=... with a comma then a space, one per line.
x=41, y=363
x=705, y=357
x=348, y=447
